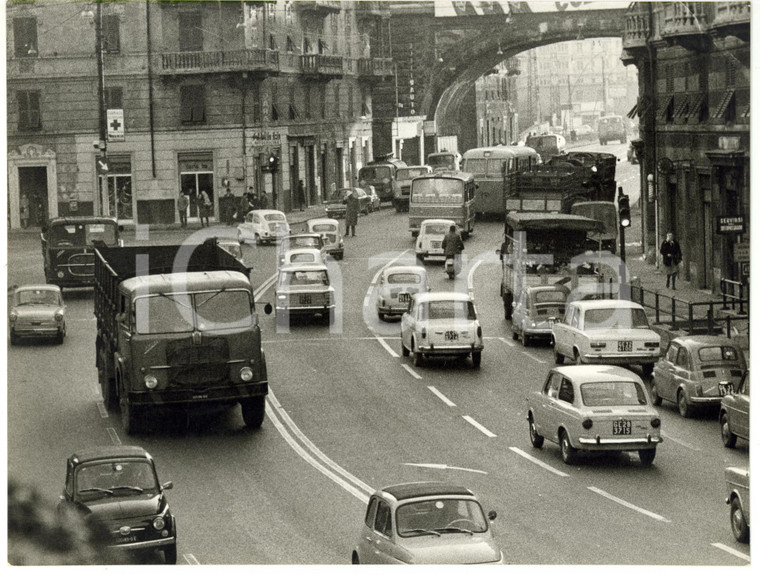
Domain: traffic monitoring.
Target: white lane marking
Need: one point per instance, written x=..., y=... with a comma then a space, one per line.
x=437, y=466
x=441, y=396
x=538, y=462
x=261, y=289
x=471, y=277
x=102, y=409
x=387, y=347
x=411, y=371
x=114, y=437
x=627, y=504
x=190, y=559
x=534, y=358
x=675, y=440
x=731, y=551
x=503, y=340
x=478, y=426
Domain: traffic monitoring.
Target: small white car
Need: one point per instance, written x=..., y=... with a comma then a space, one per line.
x=298, y=241
x=302, y=255
x=329, y=229
x=430, y=238
x=607, y=331
x=263, y=226
x=304, y=289
x=37, y=311
x=441, y=324
x=395, y=288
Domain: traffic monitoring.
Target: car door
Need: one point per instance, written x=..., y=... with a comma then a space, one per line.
x=407, y=325
x=365, y=548
x=665, y=370
x=681, y=370
x=562, y=332
x=546, y=416
x=739, y=417
x=381, y=535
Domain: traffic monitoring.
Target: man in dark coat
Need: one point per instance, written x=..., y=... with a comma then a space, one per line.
x=671, y=258
x=352, y=212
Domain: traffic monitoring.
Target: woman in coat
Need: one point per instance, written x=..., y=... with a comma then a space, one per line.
x=671, y=258
x=352, y=213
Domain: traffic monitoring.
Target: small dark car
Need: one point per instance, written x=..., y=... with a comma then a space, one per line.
x=734, y=411
x=117, y=487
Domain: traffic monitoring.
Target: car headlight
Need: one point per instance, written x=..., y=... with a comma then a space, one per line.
x=159, y=523
x=60, y=275
x=151, y=381
x=13, y=316
x=59, y=316
x=246, y=374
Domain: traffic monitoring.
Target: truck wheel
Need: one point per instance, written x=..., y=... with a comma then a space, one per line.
x=508, y=306
x=130, y=417
x=253, y=411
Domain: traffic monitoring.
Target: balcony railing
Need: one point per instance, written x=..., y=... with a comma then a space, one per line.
x=732, y=18
x=322, y=65
x=375, y=67
x=636, y=28
x=686, y=18
x=320, y=7
x=178, y=63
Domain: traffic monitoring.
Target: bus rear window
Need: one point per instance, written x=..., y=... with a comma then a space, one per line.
x=437, y=191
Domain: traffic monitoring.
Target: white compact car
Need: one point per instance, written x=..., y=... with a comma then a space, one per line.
x=395, y=288
x=304, y=289
x=302, y=255
x=429, y=241
x=263, y=226
x=329, y=229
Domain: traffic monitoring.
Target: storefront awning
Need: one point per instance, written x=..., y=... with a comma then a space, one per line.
x=725, y=101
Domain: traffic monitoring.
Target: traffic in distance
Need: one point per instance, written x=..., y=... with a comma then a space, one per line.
x=182, y=327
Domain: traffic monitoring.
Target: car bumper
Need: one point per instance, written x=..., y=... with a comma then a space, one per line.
x=705, y=401
x=449, y=349
x=36, y=331
x=431, y=254
x=336, y=251
x=634, y=443
x=146, y=544
x=311, y=310
x=393, y=309
x=628, y=359
x=538, y=331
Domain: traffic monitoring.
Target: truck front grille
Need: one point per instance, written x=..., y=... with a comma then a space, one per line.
x=198, y=366
x=82, y=264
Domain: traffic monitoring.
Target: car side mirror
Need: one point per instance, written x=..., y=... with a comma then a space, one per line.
x=167, y=485
x=492, y=515
x=268, y=309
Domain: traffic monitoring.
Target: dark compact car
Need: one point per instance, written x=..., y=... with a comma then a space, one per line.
x=117, y=487
x=734, y=411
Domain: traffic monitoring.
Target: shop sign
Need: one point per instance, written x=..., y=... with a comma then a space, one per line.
x=741, y=252
x=264, y=138
x=728, y=224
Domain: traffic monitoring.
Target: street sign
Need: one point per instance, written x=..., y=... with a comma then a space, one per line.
x=115, y=125
x=741, y=252
x=102, y=165
x=727, y=224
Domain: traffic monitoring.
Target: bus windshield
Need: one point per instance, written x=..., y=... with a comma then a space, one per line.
x=437, y=190
x=375, y=173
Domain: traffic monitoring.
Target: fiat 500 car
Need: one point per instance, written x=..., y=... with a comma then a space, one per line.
x=302, y=255
x=536, y=310
x=594, y=408
x=697, y=372
x=395, y=288
x=734, y=412
x=117, y=488
x=298, y=241
x=263, y=226
x=430, y=239
x=737, y=485
x=37, y=311
x=304, y=289
x=441, y=325
x=329, y=230
x=426, y=523
x=609, y=332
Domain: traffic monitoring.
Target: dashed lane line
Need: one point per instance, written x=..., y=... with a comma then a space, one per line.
x=190, y=559
x=114, y=437
x=526, y=353
x=479, y=426
x=731, y=551
x=411, y=371
x=102, y=409
x=471, y=277
x=540, y=463
x=387, y=347
x=675, y=440
x=627, y=504
x=506, y=341
x=441, y=396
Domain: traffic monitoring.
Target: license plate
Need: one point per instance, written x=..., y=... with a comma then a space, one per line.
x=126, y=539
x=625, y=346
x=403, y=297
x=304, y=299
x=621, y=427
x=726, y=389
x=451, y=336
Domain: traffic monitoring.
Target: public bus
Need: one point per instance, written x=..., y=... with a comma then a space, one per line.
x=489, y=165
x=443, y=195
x=611, y=128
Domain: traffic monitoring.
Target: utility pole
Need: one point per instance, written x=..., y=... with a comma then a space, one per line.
x=102, y=127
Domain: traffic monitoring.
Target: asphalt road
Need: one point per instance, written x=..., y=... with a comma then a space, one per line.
x=347, y=414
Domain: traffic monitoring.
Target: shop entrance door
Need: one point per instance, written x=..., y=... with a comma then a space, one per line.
x=196, y=175
x=33, y=184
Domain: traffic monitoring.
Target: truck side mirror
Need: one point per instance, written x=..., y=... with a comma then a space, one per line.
x=268, y=309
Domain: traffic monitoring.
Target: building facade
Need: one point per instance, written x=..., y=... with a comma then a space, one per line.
x=693, y=60
x=496, y=105
x=116, y=108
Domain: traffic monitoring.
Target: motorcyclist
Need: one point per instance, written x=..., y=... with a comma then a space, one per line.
x=453, y=246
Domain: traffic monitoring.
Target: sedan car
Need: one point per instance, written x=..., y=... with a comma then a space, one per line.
x=37, y=311
x=395, y=288
x=430, y=239
x=610, y=332
x=426, y=523
x=441, y=324
x=329, y=230
x=737, y=485
x=335, y=205
x=263, y=226
x=118, y=487
x=692, y=369
x=734, y=412
x=304, y=289
x=536, y=310
x=299, y=241
x=594, y=408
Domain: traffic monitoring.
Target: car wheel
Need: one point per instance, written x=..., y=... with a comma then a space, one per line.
x=647, y=369
x=476, y=357
x=257, y=239
x=59, y=337
x=656, y=398
x=404, y=350
x=738, y=523
x=524, y=338
x=170, y=554
x=569, y=453
x=729, y=438
x=646, y=456
x=508, y=306
x=354, y=558
x=253, y=411
x=381, y=316
x=14, y=338
x=515, y=336
x=684, y=407
x=535, y=439
x=416, y=356
x=559, y=358
x=578, y=358
x=240, y=238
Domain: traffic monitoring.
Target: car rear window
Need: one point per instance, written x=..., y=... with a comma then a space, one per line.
x=614, y=393
x=295, y=278
x=323, y=227
x=404, y=278
x=551, y=296
x=449, y=310
x=615, y=318
x=274, y=217
x=437, y=228
x=714, y=354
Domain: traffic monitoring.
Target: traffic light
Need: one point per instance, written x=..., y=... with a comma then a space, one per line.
x=273, y=163
x=624, y=211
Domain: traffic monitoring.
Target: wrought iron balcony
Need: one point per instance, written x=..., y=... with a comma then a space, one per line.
x=375, y=68
x=372, y=9
x=320, y=7
x=686, y=19
x=185, y=63
x=732, y=19
x=322, y=65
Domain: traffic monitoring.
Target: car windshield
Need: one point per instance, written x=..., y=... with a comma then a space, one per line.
x=410, y=172
x=233, y=248
x=302, y=258
x=274, y=217
x=443, y=160
x=38, y=297
x=551, y=296
x=437, y=190
x=615, y=318
x=115, y=478
x=323, y=227
x=297, y=278
x=440, y=516
x=375, y=173
x=448, y=310
x=406, y=278
x=717, y=354
x=77, y=234
x=340, y=194
x=436, y=228
x=180, y=313
x=614, y=393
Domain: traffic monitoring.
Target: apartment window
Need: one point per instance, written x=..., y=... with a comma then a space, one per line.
x=272, y=42
x=322, y=102
x=351, y=109
x=114, y=100
x=291, y=47
x=256, y=96
x=111, y=38
x=25, y=37
x=730, y=72
x=337, y=99
x=292, y=108
x=29, y=117
x=193, y=104
x=190, y=32
x=275, y=111
x=669, y=82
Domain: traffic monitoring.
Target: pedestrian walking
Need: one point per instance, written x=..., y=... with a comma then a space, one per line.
x=228, y=206
x=263, y=201
x=671, y=259
x=352, y=212
x=182, y=203
x=301, y=194
x=204, y=209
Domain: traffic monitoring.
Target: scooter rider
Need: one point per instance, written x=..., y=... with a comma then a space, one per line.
x=452, y=247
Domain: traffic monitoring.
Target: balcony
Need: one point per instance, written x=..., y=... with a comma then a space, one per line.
x=185, y=63
x=685, y=23
x=322, y=66
x=636, y=28
x=732, y=19
x=372, y=9
x=375, y=68
x=321, y=8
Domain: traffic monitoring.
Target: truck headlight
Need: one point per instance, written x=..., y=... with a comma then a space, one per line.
x=159, y=523
x=13, y=316
x=246, y=374
x=151, y=381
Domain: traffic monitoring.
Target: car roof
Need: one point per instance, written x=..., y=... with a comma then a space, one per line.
x=304, y=250
x=266, y=211
x=441, y=296
x=304, y=267
x=596, y=373
x=409, y=490
x=405, y=269
x=188, y=281
x=294, y=235
x=69, y=219
x=36, y=287
x=696, y=341
x=535, y=288
x=108, y=452
x=606, y=304
x=319, y=220
x=449, y=221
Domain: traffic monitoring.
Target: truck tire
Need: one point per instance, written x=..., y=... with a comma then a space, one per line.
x=130, y=417
x=253, y=411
